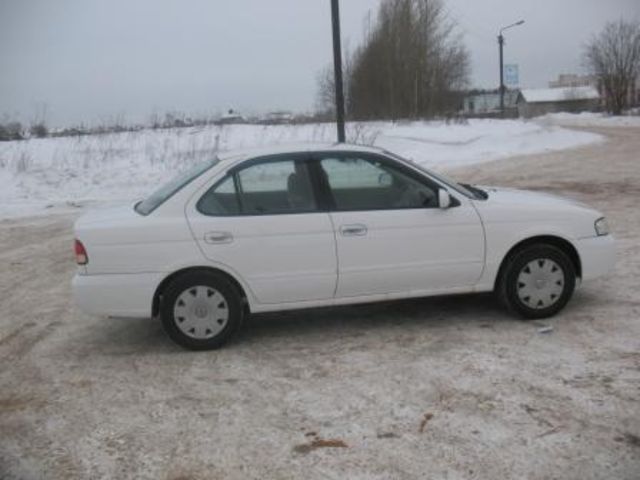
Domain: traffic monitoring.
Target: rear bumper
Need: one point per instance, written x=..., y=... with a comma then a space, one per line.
x=128, y=295
x=597, y=256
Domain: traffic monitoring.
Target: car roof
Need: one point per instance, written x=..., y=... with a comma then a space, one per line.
x=231, y=155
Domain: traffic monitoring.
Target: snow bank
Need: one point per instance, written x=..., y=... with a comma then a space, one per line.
x=442, y=146
x=49, y=175
x=587, y=119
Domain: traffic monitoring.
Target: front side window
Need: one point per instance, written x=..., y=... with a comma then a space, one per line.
x=267, y=188
x=464, y=190
x=370, y=184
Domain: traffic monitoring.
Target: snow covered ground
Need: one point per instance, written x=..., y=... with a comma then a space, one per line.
x=88, y=397
x=56, y=174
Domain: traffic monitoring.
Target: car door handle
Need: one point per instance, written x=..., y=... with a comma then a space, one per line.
x=356, y=230
x=218, y=237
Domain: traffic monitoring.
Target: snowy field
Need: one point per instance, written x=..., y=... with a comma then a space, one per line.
x=57, y=174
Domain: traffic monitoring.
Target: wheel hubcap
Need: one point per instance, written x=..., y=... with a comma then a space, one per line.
x=540, y=283
x=201, y=312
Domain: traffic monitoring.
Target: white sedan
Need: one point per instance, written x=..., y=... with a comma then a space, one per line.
x=331, y=225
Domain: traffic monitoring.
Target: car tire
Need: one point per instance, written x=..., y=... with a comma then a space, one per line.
x=201, y=310
x=537, y=281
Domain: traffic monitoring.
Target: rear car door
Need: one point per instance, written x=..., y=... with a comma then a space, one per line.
x=262, y=221
x=391, y=234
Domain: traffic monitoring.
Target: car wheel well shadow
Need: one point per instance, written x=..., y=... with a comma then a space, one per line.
x=155, y=307
x=564, y=245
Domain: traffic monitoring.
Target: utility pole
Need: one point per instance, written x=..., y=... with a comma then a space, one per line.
x=502, y=87
x=337, y=69
x=501, y=47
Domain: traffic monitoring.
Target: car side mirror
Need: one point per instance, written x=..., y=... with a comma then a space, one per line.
x=444, y=199
x=385, y=180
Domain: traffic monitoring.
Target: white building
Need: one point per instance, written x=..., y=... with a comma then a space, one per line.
x=488, y=103
x=534, y=102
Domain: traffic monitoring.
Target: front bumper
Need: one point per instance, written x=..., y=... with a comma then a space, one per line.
x=114, y=295
x=597, y=255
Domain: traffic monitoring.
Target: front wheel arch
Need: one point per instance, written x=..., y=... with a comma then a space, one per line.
x=157, y=296
x=558, y=242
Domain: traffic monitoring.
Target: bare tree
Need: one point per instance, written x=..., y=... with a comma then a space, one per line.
x=412, y=63
x=325, y=80
x=38, y=130
x=613, y=56
x=38, y=126
x=326, y=98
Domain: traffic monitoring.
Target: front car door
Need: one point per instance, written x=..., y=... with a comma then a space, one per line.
x=391, y=234
x=262, y=221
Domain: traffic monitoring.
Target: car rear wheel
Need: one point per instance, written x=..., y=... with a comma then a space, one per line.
x=537, y=281
x=201, y=310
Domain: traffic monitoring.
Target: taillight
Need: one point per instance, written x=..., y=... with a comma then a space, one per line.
x=81, y=253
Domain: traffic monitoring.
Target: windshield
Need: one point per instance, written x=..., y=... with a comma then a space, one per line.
x=441, y=178
x=157, y=198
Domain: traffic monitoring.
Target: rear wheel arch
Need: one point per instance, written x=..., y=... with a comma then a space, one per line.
x=155, y=307
x=560, y=243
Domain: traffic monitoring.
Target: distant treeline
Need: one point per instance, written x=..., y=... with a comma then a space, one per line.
x=14, y=130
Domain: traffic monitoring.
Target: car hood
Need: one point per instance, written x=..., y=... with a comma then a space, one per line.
x=531, y=199
x=537, y=211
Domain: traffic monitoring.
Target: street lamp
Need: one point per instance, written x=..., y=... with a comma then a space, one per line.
x=501, y=44
x=337, y=68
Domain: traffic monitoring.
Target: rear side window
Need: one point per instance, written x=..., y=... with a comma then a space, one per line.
x=221, y=200
x=272, y=187
x=157, y=198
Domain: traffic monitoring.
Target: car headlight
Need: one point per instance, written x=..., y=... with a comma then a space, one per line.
x=602, y=228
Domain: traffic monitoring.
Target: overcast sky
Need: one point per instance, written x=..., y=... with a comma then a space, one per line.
x=91, y=60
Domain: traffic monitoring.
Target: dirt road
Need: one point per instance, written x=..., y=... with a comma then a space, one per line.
x=436, y=388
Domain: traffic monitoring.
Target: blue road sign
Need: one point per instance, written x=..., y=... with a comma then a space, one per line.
x=511, y=75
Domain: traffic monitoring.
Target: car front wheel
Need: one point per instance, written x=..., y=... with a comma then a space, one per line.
x=201, y=310
x=537, y=281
